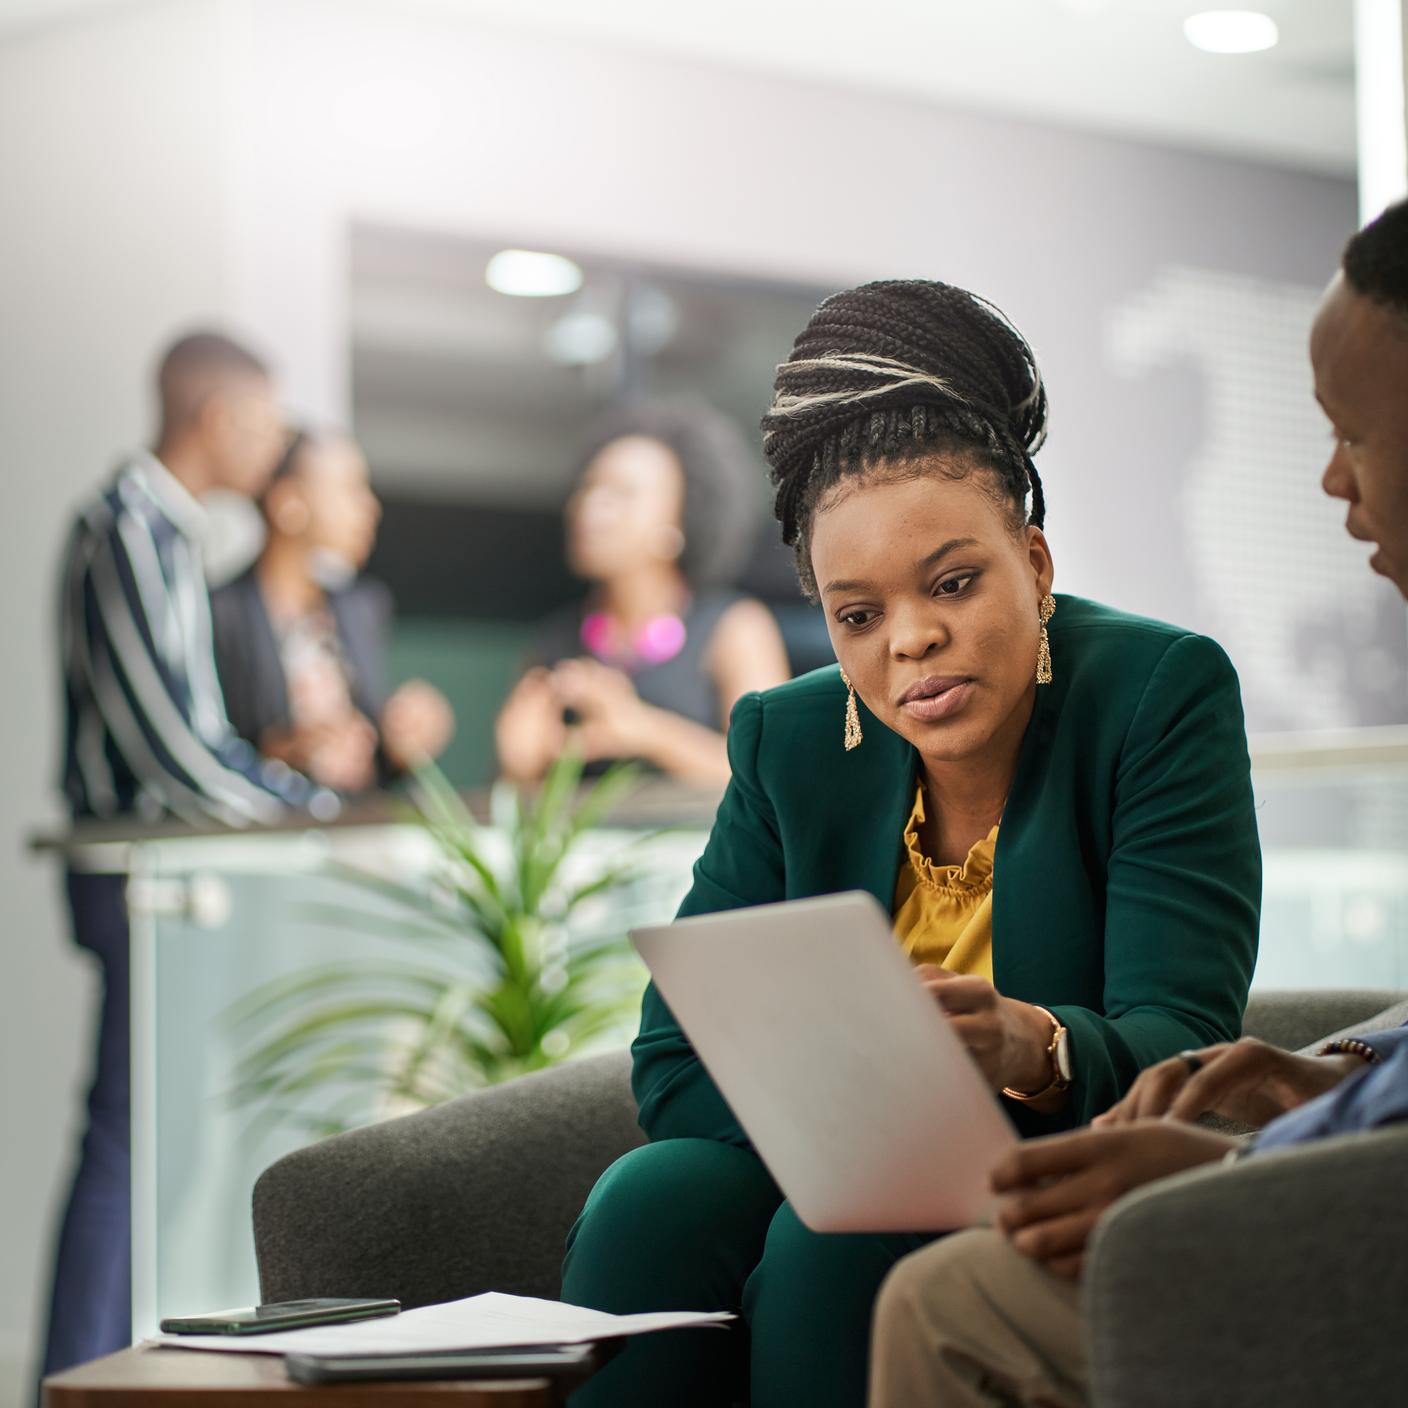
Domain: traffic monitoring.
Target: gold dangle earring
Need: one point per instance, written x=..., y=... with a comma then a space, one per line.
x=853, y=733
x=1046, y=611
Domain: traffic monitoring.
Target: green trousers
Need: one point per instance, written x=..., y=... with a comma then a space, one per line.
x=692, y=1224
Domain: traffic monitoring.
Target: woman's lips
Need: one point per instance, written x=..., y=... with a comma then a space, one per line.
x=941, y=705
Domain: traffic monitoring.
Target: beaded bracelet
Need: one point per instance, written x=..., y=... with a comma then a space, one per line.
x=1351, y=1046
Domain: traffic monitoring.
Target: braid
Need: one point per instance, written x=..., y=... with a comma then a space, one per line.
x=895, y=372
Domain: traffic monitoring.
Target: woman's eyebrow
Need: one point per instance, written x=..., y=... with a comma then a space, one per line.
x=932, y=560
x=940, y=553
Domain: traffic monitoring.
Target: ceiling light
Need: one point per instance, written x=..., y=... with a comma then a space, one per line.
x=1231, y=31
x=525, y=273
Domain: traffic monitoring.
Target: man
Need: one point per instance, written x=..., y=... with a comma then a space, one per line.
x=146, y=737
x=992, y=1315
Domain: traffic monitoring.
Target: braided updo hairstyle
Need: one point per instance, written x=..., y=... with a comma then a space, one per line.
x=903, y=375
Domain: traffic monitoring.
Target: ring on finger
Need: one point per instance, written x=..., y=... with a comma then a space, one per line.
x=1192, y=1060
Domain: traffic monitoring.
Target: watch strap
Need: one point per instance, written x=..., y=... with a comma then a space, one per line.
x=1058, y=1082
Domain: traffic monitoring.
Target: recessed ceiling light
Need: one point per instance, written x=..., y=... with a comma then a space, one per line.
x=1231, y=31
x=526, y=273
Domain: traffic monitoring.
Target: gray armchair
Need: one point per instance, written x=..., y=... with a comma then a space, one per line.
x=1278, y=1283
x=474, y=1195
x=1203, y=1289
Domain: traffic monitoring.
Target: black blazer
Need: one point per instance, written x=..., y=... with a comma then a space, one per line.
x=252, y=673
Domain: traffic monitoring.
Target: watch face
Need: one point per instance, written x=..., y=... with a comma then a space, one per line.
x=1063, y=1054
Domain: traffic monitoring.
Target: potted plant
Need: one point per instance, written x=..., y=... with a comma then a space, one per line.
x=490, y=971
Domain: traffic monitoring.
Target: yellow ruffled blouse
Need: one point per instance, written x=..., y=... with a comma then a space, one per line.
x=943, y=913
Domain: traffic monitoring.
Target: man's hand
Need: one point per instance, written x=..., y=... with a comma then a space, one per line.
x=339, y=754
x=1009, y=1040
x=1246, y=1081
x=1053, y=1190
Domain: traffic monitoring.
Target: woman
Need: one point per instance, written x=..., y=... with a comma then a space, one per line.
x=651, y=664
x=1052, y=798
x=301, y=643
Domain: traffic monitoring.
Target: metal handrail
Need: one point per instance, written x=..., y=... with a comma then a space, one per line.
x=1383, y=745
x=656, y=803
x=660, y=802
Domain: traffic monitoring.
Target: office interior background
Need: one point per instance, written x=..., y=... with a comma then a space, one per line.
x=330, y=180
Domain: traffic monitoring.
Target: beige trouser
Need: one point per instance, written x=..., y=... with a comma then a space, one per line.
x=968, y=1322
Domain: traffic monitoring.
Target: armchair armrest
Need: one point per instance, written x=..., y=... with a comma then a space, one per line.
x=1276, y=1283
x=1294, y=1020
x=477, y=1194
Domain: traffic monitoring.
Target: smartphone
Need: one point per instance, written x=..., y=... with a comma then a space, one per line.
x=522, y=1361
x=281, y=1315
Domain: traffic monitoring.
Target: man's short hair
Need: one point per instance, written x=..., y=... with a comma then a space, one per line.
x=194, y=367
x=1376, y=260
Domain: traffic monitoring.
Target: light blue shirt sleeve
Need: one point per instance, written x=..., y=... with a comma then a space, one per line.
x=1387, y=1043
x=1375, y=1096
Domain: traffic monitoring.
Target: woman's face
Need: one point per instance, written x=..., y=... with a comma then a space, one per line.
x=328, y=501
x=627, y=509
x=932, y=605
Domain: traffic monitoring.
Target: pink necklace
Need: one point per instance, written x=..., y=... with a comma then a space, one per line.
x=660, y=639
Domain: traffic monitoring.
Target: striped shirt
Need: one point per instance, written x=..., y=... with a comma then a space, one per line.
x=146, y=732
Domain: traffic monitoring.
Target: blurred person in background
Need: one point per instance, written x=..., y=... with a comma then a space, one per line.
x=301, y=640
x=146, y=736
x=650, y=665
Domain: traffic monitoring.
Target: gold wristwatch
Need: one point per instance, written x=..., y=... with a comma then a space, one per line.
x=1059, y=1054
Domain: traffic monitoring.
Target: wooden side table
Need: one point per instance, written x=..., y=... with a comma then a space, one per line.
x=151, y=1377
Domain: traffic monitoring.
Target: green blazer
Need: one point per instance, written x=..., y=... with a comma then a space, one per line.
x=1127, y=880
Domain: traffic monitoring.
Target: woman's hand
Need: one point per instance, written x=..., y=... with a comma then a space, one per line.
x=416, y=724
x=529, y=732
x=613, y=720
x=341, y=755
x=1247, y=1081
x=1009, y=1040
x=1053, y=1190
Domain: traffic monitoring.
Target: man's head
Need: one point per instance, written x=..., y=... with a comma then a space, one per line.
x=220, y=422
x=1359, y=350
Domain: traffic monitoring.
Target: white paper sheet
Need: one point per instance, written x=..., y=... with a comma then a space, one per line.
x=489, y=1321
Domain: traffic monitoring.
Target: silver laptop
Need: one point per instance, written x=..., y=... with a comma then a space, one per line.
x=853, y=1088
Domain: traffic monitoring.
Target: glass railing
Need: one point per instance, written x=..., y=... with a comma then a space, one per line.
x=1333, y=816
x=218, y=919
x=235, y=935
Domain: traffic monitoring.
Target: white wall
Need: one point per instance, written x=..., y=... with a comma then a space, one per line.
x=206, y=157
x=111, y=236
x=365, y=109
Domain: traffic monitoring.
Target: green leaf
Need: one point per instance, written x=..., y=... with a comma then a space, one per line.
x=610, y=879
x=265, y=1004
x=609, y=791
